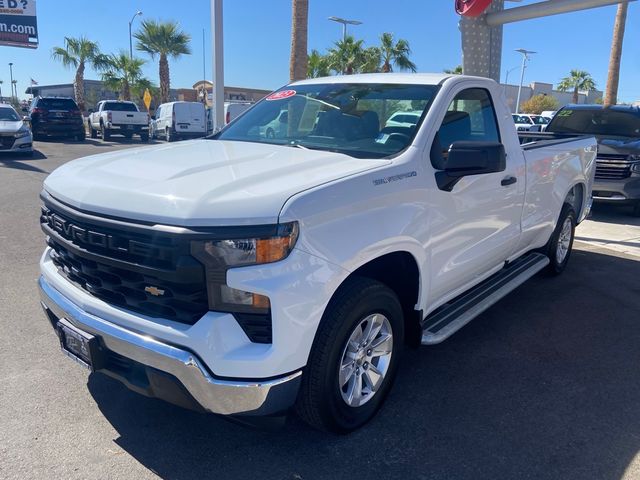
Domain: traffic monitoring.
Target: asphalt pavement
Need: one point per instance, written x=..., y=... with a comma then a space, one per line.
x=544, y=385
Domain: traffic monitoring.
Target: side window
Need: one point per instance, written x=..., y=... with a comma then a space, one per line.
x=470, y=117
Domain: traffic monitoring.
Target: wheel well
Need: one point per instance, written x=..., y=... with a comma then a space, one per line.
x=575, y=198
x=399, y=271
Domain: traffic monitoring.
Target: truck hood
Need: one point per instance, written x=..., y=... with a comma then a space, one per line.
x=620, y=146
x=199, y=182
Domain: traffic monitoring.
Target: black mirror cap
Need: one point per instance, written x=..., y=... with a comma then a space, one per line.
x=471, y=158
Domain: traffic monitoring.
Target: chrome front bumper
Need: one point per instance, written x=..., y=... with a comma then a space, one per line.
x=225, y=397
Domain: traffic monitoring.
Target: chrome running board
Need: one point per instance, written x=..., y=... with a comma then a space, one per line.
x=451, y=317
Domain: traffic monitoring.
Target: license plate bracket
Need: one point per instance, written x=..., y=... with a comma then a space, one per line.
x=79, y=345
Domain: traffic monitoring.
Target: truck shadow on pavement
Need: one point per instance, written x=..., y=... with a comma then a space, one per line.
x=17, y=161
x=543, y=385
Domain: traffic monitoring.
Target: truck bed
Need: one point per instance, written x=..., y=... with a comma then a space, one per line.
x=533, y=140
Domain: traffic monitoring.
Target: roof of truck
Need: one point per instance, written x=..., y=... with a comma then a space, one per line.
x=587, y=106
x=409, y=78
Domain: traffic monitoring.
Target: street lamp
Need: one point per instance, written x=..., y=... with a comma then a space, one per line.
x=525, y=59
x=130, y=40
x=11, y=74
x=344, y=23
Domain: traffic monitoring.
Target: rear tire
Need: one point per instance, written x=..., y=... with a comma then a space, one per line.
x=558, y=249
x=106, y=135
x=167, y=135
x=348, y=375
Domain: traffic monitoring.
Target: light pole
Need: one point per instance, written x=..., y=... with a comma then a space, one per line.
x=344, y=23
x=525, y=59
x=11, y=74
x=130, y=39
x=1, y=98
x=218, y=64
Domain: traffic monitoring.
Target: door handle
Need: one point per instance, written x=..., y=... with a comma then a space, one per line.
x=510, y=180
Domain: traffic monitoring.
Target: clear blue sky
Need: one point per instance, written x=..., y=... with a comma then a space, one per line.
x=257, y=38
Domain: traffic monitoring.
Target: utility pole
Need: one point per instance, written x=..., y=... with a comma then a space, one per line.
x=218, y=64
x=11, y=74
x=130, y=36
x=525, y=58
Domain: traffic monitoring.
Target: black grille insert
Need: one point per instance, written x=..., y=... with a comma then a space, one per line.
x=141, y=270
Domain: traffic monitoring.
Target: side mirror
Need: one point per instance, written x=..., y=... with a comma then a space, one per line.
x=153, y=117
x=471, y=158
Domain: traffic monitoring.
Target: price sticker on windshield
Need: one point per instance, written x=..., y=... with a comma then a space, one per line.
x=281, y=95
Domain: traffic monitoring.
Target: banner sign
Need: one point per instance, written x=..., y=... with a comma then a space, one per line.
x=18, y=24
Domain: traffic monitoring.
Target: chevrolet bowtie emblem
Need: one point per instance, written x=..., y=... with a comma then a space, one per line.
x=155, y=291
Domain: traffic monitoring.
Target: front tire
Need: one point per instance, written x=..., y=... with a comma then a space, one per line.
x=92, y=131
x=561, y=242
x=354, y=358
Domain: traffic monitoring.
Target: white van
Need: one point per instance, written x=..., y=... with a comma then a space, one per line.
x=178, y=120
x=232, y=110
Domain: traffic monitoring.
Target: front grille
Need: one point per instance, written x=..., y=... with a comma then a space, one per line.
x=613, y=167
x=139, y=269
x=7, y=141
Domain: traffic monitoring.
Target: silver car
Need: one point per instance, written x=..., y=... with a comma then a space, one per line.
x=15, y=134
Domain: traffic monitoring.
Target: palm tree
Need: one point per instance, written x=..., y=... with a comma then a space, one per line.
x=395, y=53
x=578, y=80
x=611, y=92
x=349, y=56
x=77, y=54
x=299, y=27
x=165, y=40
x=123, y=74
x=318, y=65
x=454, y=71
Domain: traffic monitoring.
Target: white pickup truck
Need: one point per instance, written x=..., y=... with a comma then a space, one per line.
x=257, y=274
x=112, y=117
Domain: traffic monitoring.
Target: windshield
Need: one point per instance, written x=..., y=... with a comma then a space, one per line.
x=604, y=122
x=539, y=119
x=57, y=104
x=8, y=115
x=120, y=107
x=521, y=119
x=346, y=118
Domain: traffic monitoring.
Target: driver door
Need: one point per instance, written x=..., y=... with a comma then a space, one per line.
x=476, y=225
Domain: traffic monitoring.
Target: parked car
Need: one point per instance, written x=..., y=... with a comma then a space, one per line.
x=112, y=117
x=15, y=134
x=539, y=120
x=549, y=114
x=617, y=130
x=178, y=120
x=277, y=128
x=56, y=116
x=257, y=274
x=232, y=110
x=524, y=123
x=404, y=119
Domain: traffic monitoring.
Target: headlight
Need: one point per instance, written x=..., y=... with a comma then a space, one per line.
x=22, y=133
x=218, y=256
x=635, y=168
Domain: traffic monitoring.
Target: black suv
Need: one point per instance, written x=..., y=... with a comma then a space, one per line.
x=617, y=129
x=56, y=116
